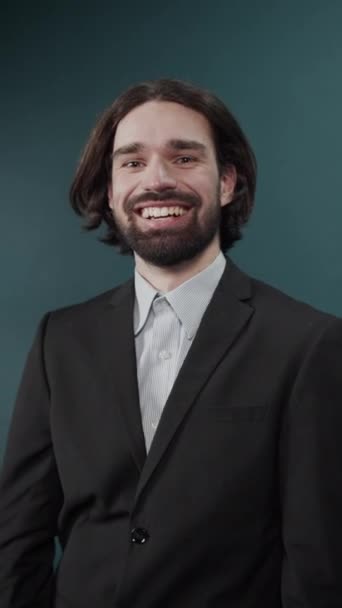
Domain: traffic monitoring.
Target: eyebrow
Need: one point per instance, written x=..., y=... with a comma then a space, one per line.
x=186, y=144
x=173, y=144
x=134, y=148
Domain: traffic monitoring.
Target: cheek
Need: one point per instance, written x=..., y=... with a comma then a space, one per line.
x=123, y=187
x=120, y=193
x=206, y=186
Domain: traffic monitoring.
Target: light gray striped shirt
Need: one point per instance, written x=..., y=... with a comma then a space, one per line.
x=165, y=325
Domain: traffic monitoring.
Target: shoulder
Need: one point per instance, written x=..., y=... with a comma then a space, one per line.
x=268, y=301
x=83, y=313
x=279, y=319
x=287, y=320
x=272, y=301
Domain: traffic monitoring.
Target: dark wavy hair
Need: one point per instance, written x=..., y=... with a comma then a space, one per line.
x=89, y=189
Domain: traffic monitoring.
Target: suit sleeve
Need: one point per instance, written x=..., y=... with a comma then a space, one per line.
x=30, y=492
x=311, y=478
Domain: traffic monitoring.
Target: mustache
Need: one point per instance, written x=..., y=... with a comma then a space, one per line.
x=165, y=195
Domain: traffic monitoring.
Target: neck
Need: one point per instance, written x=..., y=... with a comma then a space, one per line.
x=165, y=279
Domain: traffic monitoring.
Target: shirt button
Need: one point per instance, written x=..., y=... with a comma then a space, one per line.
x=139, y=536
x=154, y=425
x=164, y=354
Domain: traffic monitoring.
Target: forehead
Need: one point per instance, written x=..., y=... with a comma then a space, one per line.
x=156, y=122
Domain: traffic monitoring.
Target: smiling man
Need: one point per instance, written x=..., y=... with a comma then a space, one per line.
x=180, y=433
x=166, y=192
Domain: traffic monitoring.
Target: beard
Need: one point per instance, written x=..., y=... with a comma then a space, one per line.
x=163, y=247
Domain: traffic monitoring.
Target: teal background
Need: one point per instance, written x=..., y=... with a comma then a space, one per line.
x=277, y=65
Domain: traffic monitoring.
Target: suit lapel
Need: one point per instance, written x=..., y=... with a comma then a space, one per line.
x=223, y=321
x=117, y=354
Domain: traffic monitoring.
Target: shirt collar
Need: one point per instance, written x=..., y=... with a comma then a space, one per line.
x=189, y=300
x=144, y=296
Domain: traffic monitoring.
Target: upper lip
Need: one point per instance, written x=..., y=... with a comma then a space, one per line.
x=168, y=203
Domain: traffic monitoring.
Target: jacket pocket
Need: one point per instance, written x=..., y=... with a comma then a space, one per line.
x=237, y=413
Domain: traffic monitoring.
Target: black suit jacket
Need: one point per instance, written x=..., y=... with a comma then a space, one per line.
x=238, y=503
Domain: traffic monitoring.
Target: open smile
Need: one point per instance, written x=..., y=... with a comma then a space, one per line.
x=162, y=214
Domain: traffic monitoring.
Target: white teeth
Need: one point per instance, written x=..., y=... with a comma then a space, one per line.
x=147, y=212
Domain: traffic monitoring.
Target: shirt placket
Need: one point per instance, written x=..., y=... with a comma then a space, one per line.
x=164, y=351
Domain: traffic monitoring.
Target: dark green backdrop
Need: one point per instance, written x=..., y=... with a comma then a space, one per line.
x=276, y=64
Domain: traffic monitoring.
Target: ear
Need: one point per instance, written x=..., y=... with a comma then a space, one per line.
x=227, y=185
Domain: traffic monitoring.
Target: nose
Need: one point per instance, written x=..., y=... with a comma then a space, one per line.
x=158, y=176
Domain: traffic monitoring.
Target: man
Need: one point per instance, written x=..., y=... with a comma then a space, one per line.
x=179, y=433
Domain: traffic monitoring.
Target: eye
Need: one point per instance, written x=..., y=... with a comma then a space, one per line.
x=185, y=160
x=132, y=164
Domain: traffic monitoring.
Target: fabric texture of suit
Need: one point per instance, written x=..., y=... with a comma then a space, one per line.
x=240, y=496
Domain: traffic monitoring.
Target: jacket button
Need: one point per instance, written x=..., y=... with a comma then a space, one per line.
x=139, y=536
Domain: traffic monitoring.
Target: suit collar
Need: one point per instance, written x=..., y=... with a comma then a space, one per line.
x=116, y=356
x=224, y=320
